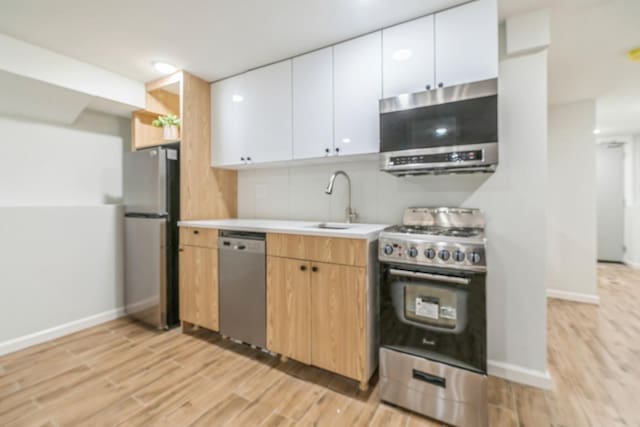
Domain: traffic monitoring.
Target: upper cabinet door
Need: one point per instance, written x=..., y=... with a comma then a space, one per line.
x=228, y=124
x=467, y=43
x=357, y=72
x=268, y=124
x=408, y=57
x=313, y=104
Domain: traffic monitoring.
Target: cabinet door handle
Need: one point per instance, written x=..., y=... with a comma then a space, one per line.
x=326, y=150
x=303, y=268
x=181, y=250
x=248, y=159
x=337, y=149
x=314, y=268
x=440, y=84
x=196, y=232
x=428, y=87
x=242, y=159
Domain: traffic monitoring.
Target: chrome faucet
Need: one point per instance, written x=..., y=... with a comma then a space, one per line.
x=351, y=214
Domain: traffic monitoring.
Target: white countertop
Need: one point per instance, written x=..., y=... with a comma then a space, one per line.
x=355, y=230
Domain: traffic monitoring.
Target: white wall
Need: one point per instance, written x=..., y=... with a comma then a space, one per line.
x=46, y=164
x=571, y=213
x=59, y=265
x=60, y=226
x=513, y=199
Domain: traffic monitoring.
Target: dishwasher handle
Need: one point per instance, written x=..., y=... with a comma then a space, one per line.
x=242, y=245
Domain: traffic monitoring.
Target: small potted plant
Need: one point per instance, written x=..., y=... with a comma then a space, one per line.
x=170, y=124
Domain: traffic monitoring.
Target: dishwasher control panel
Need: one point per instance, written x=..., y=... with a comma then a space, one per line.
x=242, y=241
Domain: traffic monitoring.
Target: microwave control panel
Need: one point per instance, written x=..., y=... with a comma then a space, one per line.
x=460, y=156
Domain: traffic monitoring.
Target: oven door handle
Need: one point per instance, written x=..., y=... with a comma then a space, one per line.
x=430, y=276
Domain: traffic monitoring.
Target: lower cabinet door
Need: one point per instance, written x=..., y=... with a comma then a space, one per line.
x=199, y=286
x=338, y=319
x=288, y=308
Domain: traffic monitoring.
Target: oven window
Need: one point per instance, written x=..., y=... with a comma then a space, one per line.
x=473, y=121
x=431, y=306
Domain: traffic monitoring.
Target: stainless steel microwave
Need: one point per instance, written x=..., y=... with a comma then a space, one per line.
x=446, y=130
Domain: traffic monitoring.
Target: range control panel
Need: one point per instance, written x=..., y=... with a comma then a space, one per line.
x=465, y=256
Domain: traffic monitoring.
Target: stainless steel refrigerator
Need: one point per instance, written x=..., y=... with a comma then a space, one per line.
x=152, y=208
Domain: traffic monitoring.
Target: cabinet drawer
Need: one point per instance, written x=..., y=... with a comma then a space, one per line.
x=195, y=236
x=333, y=250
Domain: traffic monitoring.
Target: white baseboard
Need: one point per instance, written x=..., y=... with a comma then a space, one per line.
x=143, y=305
x=573, y=296
x=632, y=264
x=25, y=341
x=520, y=375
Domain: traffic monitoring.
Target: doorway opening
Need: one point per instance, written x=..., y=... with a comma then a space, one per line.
x=610, y=202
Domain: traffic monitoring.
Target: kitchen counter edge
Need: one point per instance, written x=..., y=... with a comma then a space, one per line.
x=369, y=232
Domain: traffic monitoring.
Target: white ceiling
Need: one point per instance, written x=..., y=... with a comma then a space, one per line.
x=211, y=39
x=588, y=59
x=217, y=38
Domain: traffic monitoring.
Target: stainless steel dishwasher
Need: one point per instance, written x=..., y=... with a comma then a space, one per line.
x=242, y=287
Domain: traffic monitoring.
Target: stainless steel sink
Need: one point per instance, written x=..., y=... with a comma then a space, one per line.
x=332, y=226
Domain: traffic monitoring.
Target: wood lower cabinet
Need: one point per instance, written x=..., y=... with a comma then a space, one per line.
x=288, y=308
x=199, y=286
x=317, y=313
x=338, y=319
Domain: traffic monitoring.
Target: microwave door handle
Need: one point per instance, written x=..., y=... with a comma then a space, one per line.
x=430, y=276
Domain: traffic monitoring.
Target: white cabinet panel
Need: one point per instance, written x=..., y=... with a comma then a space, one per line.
x=357, y=72
x=228, y=125
x=313, y=104
x=467, y=43
x=408, y=57
x=268, y=121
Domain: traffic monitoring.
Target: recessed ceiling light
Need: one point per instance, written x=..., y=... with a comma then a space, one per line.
x=164, y=67
x=237, y=98
x=596, y=131
x=402, y=54
x=441, y=131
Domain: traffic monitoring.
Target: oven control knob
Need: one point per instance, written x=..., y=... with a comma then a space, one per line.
x=474, y=257
x=388, y=249
x=458, y=255
x=430, y=253
x=444, y=254
x=412, y=252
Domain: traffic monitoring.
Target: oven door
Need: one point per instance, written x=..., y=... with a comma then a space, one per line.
x=435, y=313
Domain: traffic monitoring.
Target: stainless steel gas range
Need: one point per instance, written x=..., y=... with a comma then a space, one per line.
x=433, y=357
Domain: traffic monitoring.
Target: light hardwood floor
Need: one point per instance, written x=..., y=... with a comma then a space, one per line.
x=121, y=373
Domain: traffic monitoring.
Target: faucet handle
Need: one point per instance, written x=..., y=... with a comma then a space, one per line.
x=352, y=215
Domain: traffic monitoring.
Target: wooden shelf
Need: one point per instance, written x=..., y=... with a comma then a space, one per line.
x=164, y=96
x=144, y=134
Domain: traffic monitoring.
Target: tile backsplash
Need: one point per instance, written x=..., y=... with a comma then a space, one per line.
x=298, y=192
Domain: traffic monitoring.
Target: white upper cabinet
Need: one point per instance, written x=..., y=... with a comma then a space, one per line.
x=228, y=124
x=325, y=103
x=268, y=119
x=408, y=57
x=467, y=43
x=357, y=72
x=313, y=104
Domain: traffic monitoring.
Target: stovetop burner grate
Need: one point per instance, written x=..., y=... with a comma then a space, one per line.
x=437, y=231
